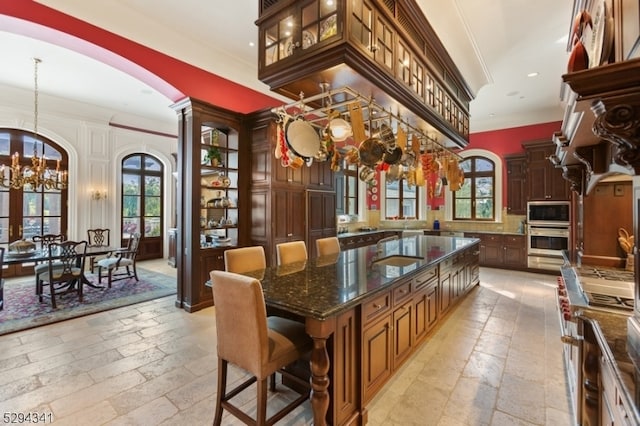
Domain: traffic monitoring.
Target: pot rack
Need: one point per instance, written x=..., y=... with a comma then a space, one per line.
x=319, y=109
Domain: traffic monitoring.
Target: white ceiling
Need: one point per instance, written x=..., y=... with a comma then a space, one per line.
x=495, y=43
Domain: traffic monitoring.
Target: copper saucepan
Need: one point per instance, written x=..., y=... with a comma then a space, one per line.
x=371, y=152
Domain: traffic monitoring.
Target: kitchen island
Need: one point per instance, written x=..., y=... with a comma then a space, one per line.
x=367, y=310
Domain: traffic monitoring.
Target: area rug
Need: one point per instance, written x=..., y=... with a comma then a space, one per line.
x=22, y=310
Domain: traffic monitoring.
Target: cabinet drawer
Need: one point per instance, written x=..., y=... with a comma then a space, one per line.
x=514, y=240
x=445, y=265
x=492, y=238
x=424, y=278
x=376, y=306
x=401, y=292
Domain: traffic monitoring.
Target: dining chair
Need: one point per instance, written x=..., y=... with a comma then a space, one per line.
x=120, y=264
x=244, y=259
x=1, y=279
x=267, y=345
x=43, y=241
x=327, y=246
x=97, y=237
x=65, y=266
x=290, y=252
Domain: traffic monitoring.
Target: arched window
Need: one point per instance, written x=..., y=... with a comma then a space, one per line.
x=475, y=200
x=27, y=212
x=142, y=203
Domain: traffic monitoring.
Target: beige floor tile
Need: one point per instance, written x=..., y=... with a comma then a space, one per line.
x=154, y=364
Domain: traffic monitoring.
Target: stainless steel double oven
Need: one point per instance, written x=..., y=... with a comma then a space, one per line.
x=548, y=227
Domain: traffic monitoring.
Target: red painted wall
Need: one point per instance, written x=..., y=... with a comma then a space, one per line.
x=503, y=142
x=509, y=141
x=171, y=77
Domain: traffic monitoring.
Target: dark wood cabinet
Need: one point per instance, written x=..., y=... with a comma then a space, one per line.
x=194, y=190
x=545, y=181
x=425, y=303
x=377, y=345
x=210, y=259
x=444, y=290
x=321, y=176
x=515, y=251
x=396, y=321
x=321, y=207
x=516, y=184
x=287, y=204
x=402, y=332
x=385, y=50
x=502, y=250
x=288, y=222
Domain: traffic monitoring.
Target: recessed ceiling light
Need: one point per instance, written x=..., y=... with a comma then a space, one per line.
x=493, y=114
x=251, y=44
x=532, y=74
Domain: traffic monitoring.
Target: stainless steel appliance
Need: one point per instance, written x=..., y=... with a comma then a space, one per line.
x=595, y=289
x=549, y=213
x=547, y=233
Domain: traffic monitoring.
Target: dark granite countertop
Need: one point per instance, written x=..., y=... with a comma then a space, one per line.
x=323, y=287
x=611, y=331
x=382, y=230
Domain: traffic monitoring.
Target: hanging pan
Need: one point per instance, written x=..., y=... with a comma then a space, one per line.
x=302, y=139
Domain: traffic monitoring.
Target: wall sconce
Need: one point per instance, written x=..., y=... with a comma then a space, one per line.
x=98, y=195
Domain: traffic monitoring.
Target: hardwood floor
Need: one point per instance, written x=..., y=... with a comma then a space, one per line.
x=495, y=361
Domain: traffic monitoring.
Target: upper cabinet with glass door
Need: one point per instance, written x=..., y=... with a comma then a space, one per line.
x=385, y=50
x=298, y=29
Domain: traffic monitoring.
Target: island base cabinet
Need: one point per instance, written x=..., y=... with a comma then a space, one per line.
x=425, y=309
x=345, y=347
x=390, y=326
x=377, y=340
x=402, y=333
x=445, y=292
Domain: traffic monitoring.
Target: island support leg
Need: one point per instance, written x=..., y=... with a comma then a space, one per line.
x=320, y=362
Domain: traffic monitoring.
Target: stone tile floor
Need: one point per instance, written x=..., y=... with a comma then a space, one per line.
x=497, y=360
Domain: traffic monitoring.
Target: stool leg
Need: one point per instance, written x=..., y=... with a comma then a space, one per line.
x=261, y=413
x=222, y=389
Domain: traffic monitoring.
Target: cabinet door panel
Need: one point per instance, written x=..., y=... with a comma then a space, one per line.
x=402, y=333
x=279, y=218
x=297, y=214
x=376, y=357
x=445, y=292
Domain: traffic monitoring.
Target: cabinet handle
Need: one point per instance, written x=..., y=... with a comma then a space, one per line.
x=373, y=48
x=289, y=235
x=376, y=306
x=401, y=291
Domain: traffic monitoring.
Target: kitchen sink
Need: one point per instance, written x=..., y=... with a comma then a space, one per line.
x=397, y=260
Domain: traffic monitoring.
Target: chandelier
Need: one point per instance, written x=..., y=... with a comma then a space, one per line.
x=38, y=174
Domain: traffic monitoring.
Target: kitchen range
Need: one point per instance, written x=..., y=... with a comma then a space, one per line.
x=547, y=233
x=592, y=301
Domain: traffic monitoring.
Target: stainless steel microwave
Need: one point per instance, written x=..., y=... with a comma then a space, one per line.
x=551, y=213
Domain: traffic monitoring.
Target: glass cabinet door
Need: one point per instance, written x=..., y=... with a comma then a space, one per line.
x=298, y=29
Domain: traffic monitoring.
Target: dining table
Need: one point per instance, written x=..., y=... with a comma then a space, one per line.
x=318, y=291
x=41, y=255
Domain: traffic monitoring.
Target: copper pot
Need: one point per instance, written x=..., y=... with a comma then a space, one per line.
x=371, y=152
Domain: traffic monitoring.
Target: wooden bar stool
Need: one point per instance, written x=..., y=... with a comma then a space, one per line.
x=258, y=344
